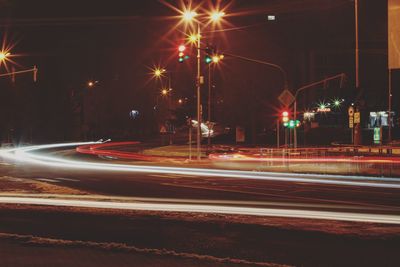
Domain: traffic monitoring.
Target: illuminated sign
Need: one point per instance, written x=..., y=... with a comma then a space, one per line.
x=323, y=109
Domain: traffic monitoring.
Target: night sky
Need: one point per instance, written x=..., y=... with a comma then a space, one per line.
x=115, y=43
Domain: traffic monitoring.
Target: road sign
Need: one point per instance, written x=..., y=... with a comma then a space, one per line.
x=357, y=117
x=377, y=135
x=240, y=134
x=286, y=97
x=163, y=129
x=351, y=122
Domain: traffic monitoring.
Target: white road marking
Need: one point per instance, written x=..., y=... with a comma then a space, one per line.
x=199, y=208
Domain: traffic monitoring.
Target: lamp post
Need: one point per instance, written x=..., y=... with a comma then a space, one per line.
x=189, y=16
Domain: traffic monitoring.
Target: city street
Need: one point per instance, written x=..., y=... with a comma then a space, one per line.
x=199, y=133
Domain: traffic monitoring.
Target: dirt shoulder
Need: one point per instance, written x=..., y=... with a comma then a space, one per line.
x=213, y=239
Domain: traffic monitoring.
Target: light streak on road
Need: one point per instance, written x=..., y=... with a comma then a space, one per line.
x=199, y=208
x=27, y=155
x=240, y=157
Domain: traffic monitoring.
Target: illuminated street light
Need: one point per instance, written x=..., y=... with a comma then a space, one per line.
x=215, y=59
x=164, y=92
x=189, y=15
x=158, y=72
x=193, y=38
x=91, y=84
x=216, y=16
x=4, y=55
x=337, y=102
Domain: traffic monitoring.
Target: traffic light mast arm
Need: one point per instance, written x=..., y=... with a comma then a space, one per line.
x=34, y=70
x=284, y=74
x=341, y=76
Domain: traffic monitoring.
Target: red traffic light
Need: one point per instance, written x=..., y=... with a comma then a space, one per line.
x=285, y=116
x=181, y=48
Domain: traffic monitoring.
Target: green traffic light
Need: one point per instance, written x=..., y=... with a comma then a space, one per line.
x=208, y=59
x=180, y=59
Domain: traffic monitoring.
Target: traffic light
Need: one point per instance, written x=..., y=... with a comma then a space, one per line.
x=208, y=59
x=182, y=54
x=292, y=124
x=211, y=54
x=285, y=116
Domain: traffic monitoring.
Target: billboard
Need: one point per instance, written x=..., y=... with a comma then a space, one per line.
x=394, y=33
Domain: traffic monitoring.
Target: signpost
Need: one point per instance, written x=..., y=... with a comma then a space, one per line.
x=351, y=122
x=357, y=118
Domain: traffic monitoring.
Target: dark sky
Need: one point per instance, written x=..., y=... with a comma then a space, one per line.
x=115, y=41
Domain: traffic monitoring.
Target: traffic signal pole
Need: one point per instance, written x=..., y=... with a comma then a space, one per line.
x=277, y=133
x=341, y=76
x=198, y=85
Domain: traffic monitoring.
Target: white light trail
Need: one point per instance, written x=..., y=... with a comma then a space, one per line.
x=26, y=154
x=199, y=208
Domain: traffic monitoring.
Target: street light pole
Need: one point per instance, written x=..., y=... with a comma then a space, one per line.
x=356, y=45
x=209, y=105
x=198, y=92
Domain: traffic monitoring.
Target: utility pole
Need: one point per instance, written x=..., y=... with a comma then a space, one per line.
x=390, y=107
x=357, y=44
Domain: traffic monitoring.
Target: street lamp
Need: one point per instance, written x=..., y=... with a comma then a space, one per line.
x=189, y=15
x=164, y=92
x=216, y=16
x=158, y=72
x=4, y=55
x=91, y=84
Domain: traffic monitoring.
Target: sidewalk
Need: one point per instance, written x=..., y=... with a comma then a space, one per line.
x=175, y=151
